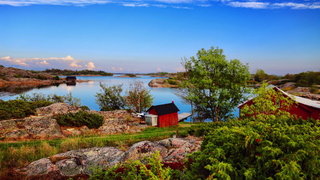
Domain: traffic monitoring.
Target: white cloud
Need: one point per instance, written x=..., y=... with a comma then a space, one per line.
x=176, y=1
x=179, y=7
x=14, y=61
x=6, y=58
x=52, y=2
x=178, y=4
x=135, y=5
x=159, y=5
x=41, y=63
x=53, y=62
x=254, y=5
x=159, y=70
x=120, y=69
x=75, y=65
x=204, y=5
x=113, y=69
x=90, y=65
x=297, y=5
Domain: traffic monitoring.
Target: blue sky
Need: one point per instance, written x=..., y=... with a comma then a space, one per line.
x=148, y=36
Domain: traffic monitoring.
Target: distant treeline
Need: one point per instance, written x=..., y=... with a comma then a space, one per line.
x=304, y=79
x=67, y=72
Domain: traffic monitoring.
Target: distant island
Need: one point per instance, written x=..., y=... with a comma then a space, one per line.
x=68, y=72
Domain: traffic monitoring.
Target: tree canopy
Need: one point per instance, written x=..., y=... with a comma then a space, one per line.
x=216, y=86
x=138, y=98
x=110, y=97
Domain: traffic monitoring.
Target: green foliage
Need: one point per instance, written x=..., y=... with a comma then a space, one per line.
x=304, y=79
x=18, y=76
x=1, y=66
x=73, y=101
x=67, y=72
x=138, y=98
x=19, y=108
x=3, y=77
x=314, y=88
x=163, y=73
x=54, y=98
x=41, y=77
x=260, y=75
x=56, y=78
x=33, y=97
x=110, y=97
x=172, y=81
x=138, y=171
x=131, y=75
x=216, y=86
x=282, y=148
x=85, y=108
x=81, y=118
x=268, y=103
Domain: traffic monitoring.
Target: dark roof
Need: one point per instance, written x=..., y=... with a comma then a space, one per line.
x=165, y=109
x=71, y=77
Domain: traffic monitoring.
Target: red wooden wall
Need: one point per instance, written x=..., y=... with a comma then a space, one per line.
x=166, y=119
x=299, y=109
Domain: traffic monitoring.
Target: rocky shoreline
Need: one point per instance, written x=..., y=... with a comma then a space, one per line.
x=161, y=83
x=43, y=126
x=80, y=163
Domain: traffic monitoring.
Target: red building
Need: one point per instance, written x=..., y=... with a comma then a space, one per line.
x=305, y=108
x=167, y=114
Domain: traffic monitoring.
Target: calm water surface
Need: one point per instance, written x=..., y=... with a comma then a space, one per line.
x=86, y=91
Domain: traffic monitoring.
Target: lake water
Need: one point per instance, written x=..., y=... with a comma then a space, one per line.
x=86, y=91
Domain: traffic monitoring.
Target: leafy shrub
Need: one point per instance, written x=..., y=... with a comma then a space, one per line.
x=68, y=99
x=42, y=77
x=314, y=88
x=4, y=115
x=155, y=170
x=163, y=73
x=19, y=108
x=171, y=82
x=131, y=75
x=3, y=77
x=81, y=118
x=85, y=108
x=110, y=97
x=56, y=78
x=18, y=76
x=258, y=149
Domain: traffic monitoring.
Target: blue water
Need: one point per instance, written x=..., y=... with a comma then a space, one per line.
x=86, y=91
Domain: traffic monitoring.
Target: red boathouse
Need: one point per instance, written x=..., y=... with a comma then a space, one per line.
x=305, y=108
x=167, y=114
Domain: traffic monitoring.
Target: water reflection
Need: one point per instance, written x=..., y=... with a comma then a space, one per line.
x=14, y=90
x=71, y=83
x=86, y=91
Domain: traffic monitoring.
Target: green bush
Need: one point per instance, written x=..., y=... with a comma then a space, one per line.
x=314, y=88
x=172, y=82
x=56, y=78
x=252, y=149
x=131, y=75
x=81, y=118
x=136, y=170
x=41, y=77
x=85, y=108
x=19, y=108
x=18, y=76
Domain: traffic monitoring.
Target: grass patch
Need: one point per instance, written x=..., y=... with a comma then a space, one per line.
x=20, y=154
